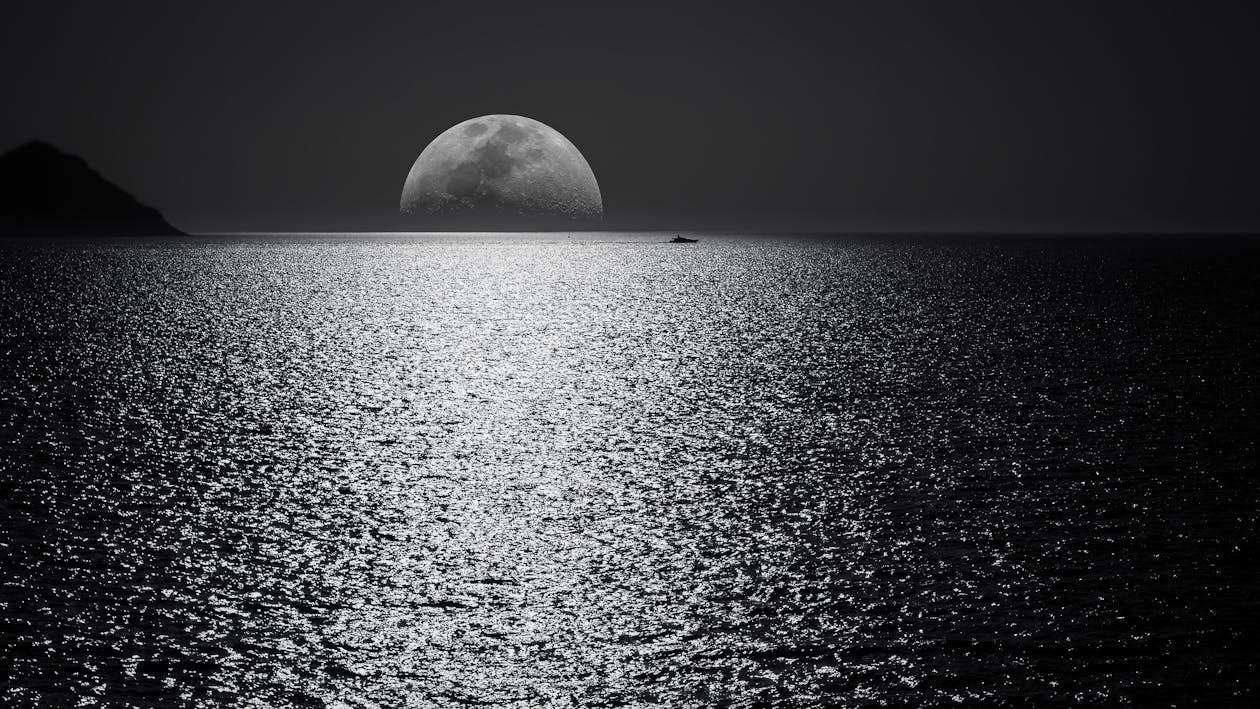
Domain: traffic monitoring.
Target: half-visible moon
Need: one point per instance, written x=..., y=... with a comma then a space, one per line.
x=502, y=166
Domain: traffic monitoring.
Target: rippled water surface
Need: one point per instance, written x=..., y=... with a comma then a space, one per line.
x=605, y=471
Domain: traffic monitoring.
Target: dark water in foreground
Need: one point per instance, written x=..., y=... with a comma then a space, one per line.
x=537, y=471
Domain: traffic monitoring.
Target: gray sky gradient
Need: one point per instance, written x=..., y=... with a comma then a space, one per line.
x=849, y=115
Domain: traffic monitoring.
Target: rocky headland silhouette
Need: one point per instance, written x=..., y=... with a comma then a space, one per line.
x=46, y=192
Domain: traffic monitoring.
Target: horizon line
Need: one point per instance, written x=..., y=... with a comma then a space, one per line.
x=745, y=232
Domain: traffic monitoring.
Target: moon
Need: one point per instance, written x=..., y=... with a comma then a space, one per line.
x=502, y=166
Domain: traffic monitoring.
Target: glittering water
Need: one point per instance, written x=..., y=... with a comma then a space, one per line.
x=606, y=471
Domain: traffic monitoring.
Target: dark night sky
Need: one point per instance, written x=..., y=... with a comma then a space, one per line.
x=849, y=116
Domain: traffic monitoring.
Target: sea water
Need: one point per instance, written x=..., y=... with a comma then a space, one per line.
x=604, y=470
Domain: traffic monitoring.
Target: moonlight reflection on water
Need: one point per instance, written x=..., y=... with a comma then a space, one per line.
x=446, y=471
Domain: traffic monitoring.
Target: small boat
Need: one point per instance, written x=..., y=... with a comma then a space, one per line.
x=679, y=239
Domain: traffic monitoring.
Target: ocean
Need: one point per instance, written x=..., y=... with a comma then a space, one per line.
x=599, y=470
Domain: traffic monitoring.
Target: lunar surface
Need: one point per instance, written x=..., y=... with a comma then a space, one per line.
x=502, y=166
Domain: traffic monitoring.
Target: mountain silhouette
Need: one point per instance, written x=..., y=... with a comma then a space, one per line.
x=44, y=191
